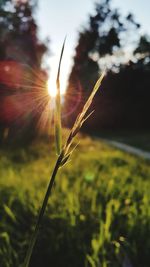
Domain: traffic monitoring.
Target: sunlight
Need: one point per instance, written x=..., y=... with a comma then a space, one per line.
x=51, y=84
x=51, y=87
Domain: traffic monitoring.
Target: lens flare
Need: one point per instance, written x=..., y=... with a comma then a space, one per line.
x=51, y=87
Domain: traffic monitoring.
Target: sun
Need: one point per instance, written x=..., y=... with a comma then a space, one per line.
x=51, y=87
x=64, y=73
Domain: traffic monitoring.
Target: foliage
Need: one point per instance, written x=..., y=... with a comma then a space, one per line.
x=95, y=218
x=21, y=54
x=19, y=30
x=142, y=53
x=123, y=101
x=122, y=104
x=63, y=153
x=103, y=36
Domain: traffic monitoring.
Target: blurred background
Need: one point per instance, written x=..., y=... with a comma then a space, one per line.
x=110, y=35
x=99, y=213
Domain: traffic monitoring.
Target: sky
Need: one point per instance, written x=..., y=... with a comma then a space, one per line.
x=59, y=18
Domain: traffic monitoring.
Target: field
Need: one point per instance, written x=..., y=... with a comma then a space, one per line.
x=98, y=214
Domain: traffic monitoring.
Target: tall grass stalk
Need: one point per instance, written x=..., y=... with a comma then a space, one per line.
x=63, y=153
x=58, y=128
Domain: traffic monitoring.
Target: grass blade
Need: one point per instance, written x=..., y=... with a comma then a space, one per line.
x=64, y=154
x=58, y=128
x=82, y=117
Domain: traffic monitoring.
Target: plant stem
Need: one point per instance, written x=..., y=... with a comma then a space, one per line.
x=42, y=211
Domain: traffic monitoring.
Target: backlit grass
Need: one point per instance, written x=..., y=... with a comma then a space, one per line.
x=99, y=212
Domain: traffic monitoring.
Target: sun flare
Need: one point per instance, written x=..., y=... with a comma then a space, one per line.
x=51, y=87
x=64, y=73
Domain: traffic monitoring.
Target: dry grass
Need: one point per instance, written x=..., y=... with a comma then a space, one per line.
x=63, y=153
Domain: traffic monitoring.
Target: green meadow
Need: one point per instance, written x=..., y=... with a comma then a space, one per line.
x=98, y=213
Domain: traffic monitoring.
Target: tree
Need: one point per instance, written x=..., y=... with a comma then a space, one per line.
x=142, y=52
x=102, y=37
x=98, y=43
x=21, y=55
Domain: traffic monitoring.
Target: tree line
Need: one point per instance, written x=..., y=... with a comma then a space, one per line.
x=106, y=42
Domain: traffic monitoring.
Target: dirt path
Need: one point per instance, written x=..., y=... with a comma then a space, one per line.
x=127, y=148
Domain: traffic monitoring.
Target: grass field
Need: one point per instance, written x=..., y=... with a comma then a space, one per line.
x=98, y=214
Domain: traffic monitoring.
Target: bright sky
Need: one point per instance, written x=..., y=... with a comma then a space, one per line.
x=59, y=18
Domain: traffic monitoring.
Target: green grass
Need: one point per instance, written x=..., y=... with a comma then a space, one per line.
x=98, y=213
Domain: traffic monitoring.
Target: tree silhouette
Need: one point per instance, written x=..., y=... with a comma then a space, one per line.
x=21, y=55
x=142, y=53
x=103, y=37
